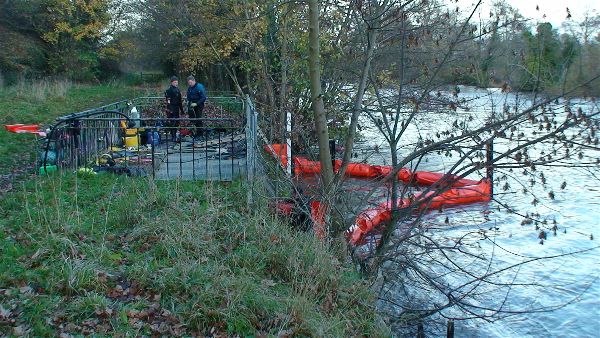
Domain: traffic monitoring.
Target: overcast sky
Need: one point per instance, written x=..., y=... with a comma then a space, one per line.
x=555, y=10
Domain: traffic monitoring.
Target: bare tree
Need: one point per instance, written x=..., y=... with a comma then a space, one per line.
x=317, y=95
x=530, y=133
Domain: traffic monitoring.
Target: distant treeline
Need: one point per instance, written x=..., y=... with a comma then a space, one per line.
x=261, y=46
x=529, y=58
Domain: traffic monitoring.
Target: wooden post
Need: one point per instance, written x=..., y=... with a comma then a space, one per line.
x=489, y=162
x=420, y=330
x=450, y=329
x=251, y=137
x=288, y=130
x=332, y=151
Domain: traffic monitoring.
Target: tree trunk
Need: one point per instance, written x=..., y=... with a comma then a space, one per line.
x=268, y=83
x=356, y=110
x=358, y=100
x=317, y=96
x=387, y=232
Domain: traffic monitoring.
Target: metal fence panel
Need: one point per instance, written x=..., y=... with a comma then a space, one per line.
x=114, y=138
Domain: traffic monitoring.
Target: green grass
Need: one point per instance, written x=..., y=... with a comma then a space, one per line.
x=41, y=103
x=114, y=255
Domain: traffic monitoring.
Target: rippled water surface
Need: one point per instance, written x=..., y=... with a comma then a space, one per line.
x=570, y=280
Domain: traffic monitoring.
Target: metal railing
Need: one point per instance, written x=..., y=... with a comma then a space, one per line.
x=134, y=137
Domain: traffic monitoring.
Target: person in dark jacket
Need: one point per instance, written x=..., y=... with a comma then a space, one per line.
x=196, y=97
x=174, y=102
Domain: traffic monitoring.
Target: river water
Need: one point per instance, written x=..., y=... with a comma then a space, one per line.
x=563, y=292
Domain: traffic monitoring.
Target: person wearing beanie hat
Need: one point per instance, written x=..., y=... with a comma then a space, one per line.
x=174, y=101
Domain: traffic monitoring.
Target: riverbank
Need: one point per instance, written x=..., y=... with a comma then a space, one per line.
x=587, y=91
x=111, y=255
x=115, y=255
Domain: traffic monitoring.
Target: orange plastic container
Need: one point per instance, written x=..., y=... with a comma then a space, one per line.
x=429, y=178
x=25, y=128
x=317, y=215
x=404, y=174
x=358, y=169
x=462, y=191
x=284, y=208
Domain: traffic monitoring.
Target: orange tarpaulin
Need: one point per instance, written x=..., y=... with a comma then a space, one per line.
x=278, y=151
x=25, y=128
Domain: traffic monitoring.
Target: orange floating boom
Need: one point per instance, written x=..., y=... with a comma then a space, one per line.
x=371, y=218
x=462, y=191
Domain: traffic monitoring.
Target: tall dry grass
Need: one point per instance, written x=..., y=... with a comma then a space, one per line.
x=42, y=89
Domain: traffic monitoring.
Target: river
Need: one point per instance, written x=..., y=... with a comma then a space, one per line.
x=567, y=285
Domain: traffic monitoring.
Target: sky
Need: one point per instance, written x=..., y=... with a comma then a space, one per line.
x=554, y=10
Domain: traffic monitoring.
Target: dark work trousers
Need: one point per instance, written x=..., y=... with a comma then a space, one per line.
x=196, y=113
x=173, y=113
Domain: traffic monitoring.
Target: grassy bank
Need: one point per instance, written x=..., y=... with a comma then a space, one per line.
x=109, y=255
x=115, y=255
x=41, y=102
